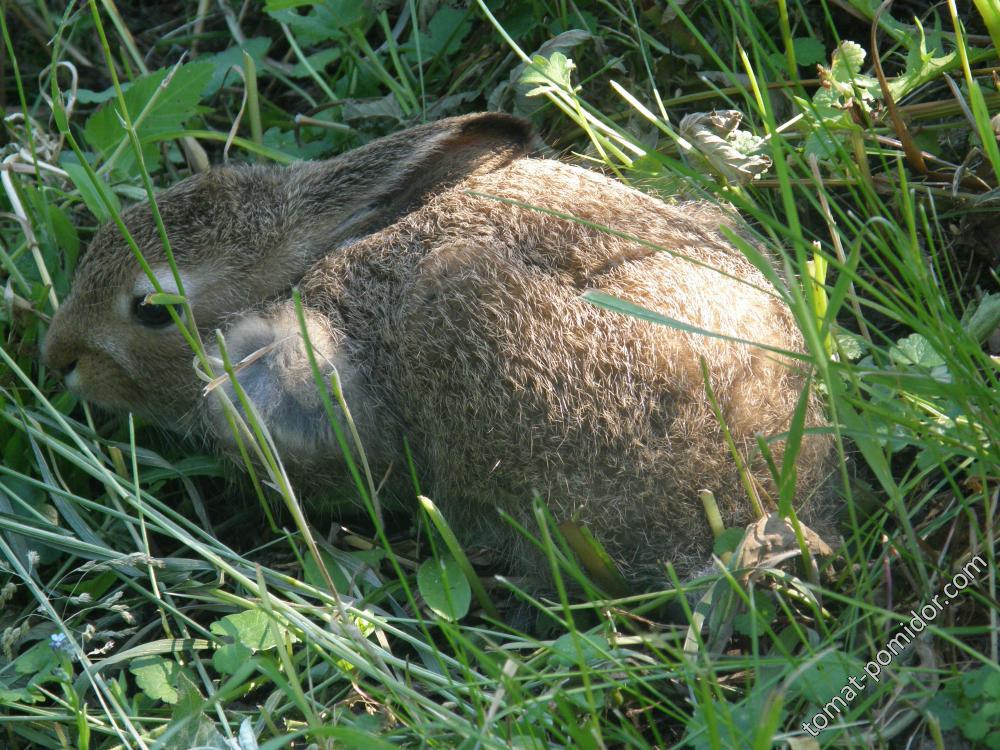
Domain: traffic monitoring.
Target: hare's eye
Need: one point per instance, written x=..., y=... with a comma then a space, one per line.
x=151, y=316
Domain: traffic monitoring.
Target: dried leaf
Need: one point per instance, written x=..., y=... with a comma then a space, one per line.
x=717, y=143
x=772, y=539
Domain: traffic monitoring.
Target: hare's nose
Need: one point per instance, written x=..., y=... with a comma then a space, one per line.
x=66, y=369
x=59, y=353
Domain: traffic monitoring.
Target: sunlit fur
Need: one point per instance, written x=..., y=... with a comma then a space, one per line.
x=454, y=319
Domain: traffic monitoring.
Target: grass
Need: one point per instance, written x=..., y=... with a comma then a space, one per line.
x=138, y=614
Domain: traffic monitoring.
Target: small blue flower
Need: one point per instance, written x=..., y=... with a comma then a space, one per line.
x=59, y=642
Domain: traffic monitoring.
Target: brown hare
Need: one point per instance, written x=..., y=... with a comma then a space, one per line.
x=440, y=278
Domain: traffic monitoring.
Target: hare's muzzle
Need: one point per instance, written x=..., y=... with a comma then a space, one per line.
x=60, y=352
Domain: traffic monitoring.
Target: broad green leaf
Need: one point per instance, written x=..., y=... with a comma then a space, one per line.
x=444, y=588
x=748, y=622
x=189, y=727
x=983, y=320
x=571, y=649
x=991, y=686
x=158, y=103
x=156, y=677
x=445, y=32
x=808, y=50
x=942, y=706
x=317, y=61
x=35, y=659
x=726, y=726
x=276, y=5
x=231, y=657
x=826, y=677
x=974, y=682
x=977, y=726
x=314, y=576
x=20, y=695
x=728, y=541
x=222, y=62
x=325, y=21
x=916, y=350
x=284, y=141
x=253, y=628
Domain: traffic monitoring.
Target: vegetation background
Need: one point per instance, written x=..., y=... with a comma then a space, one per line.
x=137, y=610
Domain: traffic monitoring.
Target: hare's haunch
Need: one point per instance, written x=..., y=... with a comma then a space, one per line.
x=442, y=280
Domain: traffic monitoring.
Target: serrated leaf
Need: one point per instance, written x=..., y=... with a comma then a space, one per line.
x=223, y=61
x=850, y=346
x=445, y=32
x=942, y=707
x=976, y=727
x=826, y=677
x=563, y=42
x=548, y=74
x=992, y=685
x=444, y=587
x=808, y=50
x=844, y=85
x=324, y=22
x=916, y=350
x=163, y=104
x=847, y=61
x=156, y=677
x=974, y=682
x=921, y=64
x=253, y=628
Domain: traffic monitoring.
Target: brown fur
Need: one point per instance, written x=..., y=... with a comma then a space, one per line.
x=455, y=319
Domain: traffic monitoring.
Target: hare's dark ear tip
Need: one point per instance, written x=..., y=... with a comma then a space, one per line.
x=499, y=126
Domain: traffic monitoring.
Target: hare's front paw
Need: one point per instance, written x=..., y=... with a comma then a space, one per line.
x=271, y=364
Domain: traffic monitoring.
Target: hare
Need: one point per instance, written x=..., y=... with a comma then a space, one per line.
x=441, y=272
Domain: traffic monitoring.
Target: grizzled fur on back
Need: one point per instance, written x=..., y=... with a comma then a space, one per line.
x=474, y=304
x=438, y=283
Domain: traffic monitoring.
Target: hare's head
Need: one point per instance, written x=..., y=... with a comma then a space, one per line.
x=240, y=236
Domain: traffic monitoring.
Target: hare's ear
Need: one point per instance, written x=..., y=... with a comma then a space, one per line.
x=365, y=189
x=445, y=152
